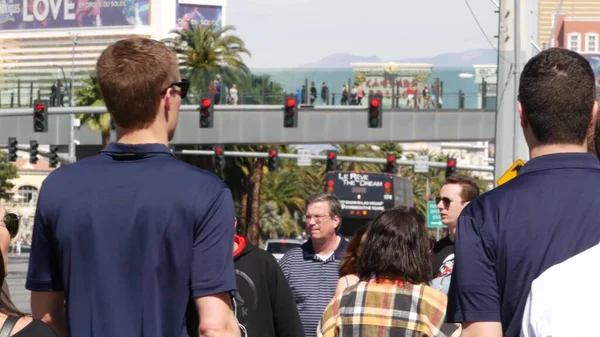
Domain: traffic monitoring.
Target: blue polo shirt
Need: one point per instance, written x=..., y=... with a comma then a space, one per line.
x=312, y=280
x=509, y=236
x=129, y=235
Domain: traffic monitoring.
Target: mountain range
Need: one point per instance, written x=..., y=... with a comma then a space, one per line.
x=462, y=59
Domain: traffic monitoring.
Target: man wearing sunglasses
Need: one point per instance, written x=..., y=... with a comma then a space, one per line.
x=455, y=195
x=126, y=237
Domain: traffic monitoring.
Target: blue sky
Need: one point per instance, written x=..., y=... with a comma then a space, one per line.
x=288, y=33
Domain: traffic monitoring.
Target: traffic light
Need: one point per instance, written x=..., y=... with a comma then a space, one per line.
x=290, y=112
x=273, y=160
x=12, y=149
x=391, y=166
x=219, y=159
x=40, y=115
x=206, y=112
x=53, y=156
x=375, y=112
x=450, y=167
x=33, y=152
x=331, y=161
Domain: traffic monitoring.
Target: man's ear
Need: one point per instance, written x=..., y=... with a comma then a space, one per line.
x=524, y=121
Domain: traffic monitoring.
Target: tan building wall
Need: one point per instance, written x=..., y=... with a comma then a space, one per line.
x=572, y=8
x=23, y=199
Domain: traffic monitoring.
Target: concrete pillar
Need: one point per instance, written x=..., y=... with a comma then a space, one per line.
x=514, y=51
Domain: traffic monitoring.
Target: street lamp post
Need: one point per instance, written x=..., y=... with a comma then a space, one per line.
x=63, y=72
x=71, y=116
x=74, y=36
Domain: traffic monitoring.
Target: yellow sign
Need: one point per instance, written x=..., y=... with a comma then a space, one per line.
x=511, y=173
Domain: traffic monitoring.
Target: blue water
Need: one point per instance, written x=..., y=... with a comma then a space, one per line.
x=293, y=79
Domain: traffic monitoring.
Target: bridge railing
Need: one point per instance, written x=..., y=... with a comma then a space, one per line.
x=27, y=111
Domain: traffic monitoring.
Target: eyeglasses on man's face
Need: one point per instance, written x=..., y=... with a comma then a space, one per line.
x=318, y=218
x=183, y=85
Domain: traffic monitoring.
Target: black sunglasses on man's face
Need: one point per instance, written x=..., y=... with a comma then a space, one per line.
x=184, y=86
x=445, y=201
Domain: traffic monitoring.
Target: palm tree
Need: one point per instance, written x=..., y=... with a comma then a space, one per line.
x=278, y=187
x=274, y=224
x=357, y=150
x=207, y=51
x=245, y=175
x=262, y=90
x=89, y=94
x=386, y=148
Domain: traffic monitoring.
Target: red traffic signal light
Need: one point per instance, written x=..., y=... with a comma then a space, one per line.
x=219, y=159
x=374, y=110
x=206, y=103
x=206, y=112
x=291, y=102
x=391, y=166
x=450, y=167
x=273, y=161
x=290, y=112
x=331, y=164
x=40, y=116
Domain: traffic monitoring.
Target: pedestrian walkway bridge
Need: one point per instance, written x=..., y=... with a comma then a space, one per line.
x=255, y=124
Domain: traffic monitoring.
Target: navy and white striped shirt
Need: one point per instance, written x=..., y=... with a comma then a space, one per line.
x=312, y=280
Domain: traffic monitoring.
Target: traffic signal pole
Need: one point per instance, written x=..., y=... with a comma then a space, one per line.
x=401, y=162
x=63, y=159
x=514, y=51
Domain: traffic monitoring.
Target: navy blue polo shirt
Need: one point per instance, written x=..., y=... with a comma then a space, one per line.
x=312, y=280
x=507, y=237
x=129, y=235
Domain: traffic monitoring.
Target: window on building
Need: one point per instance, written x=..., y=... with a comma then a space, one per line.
x=591, y=43
x=574, y=42
x=27, y=194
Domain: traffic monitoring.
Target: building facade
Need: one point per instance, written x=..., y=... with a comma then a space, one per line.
x=547, y=15
x=578, y=34
x=60, y=41
x=23, y=197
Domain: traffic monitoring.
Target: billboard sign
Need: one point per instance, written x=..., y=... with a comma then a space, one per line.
x=362, y=195
x=198, y=15
x=48, y=14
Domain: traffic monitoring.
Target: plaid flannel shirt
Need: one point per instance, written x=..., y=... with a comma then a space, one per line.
x=382, y=308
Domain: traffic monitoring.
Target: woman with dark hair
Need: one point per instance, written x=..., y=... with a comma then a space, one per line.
x=15, y=323
x=349, y=264
x=394, y=268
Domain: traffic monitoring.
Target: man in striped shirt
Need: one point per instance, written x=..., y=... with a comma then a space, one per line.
x=312, y=269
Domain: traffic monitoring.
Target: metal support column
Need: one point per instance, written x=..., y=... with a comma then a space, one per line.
x=513, y=52
x=72, y=117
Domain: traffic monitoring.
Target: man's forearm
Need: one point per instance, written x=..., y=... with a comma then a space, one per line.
x=216, y=316
x=49, y=307
x=230, y=328
x=481, y=329
x=58, y=324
